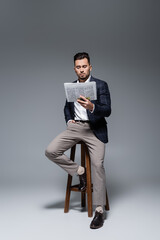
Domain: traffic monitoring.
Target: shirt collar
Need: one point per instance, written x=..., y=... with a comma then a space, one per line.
x=86, y=80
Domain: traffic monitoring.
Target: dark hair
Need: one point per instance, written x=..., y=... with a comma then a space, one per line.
x=81, y=55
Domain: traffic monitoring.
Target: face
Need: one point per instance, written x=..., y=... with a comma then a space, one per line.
x=82, y=69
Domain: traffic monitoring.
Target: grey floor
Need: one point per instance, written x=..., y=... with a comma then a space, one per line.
x=35, y=211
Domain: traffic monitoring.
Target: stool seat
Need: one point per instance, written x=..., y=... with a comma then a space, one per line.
x=85, y=162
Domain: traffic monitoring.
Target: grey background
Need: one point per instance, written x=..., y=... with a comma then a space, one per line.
x=37, y=42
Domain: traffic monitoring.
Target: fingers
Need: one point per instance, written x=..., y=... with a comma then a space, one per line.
x=82, y=97
x=82, y=100
x=85, y=102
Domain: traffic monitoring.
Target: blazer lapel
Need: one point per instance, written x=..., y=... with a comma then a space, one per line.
x=92, y=79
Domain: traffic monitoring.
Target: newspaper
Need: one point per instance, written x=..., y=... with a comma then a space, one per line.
x=74, y=90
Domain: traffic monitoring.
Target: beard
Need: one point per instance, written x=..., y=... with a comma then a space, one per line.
x=83, y=77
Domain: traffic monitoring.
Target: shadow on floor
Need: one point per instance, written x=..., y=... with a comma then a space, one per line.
x=115, y=189
x=75, y=203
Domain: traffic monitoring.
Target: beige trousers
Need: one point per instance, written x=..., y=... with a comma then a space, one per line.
x=74, y=133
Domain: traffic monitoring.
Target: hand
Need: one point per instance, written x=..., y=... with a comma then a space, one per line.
x=85, y=103
x=72, y=121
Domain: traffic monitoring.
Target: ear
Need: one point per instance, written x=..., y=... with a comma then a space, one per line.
x=90, y=67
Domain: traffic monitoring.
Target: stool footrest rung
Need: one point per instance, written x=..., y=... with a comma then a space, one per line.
x=75, y=188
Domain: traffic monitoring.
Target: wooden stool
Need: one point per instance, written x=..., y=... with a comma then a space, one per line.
x=89, y=189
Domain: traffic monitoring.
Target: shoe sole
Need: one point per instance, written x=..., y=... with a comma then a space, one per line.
x=96, y=227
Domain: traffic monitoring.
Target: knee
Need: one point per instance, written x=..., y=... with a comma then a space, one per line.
x=51, y=153
x=47, y=153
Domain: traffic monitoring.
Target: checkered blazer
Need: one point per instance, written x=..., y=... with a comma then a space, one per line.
x=102, y=109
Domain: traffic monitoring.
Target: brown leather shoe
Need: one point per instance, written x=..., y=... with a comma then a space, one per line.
x=83, y=182
x=97, y=221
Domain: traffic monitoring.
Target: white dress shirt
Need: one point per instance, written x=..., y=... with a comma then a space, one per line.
x=80, y=112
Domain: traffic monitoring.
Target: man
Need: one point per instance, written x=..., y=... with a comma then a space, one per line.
x=86, y=121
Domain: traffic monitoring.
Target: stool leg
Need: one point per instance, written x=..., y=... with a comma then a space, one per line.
x=83, y=194
x=69, y=182
x=68, y=193
x=107, y=202
x=89, y=185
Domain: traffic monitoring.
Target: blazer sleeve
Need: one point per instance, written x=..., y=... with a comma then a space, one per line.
x=103, y=103
x=68, y=113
